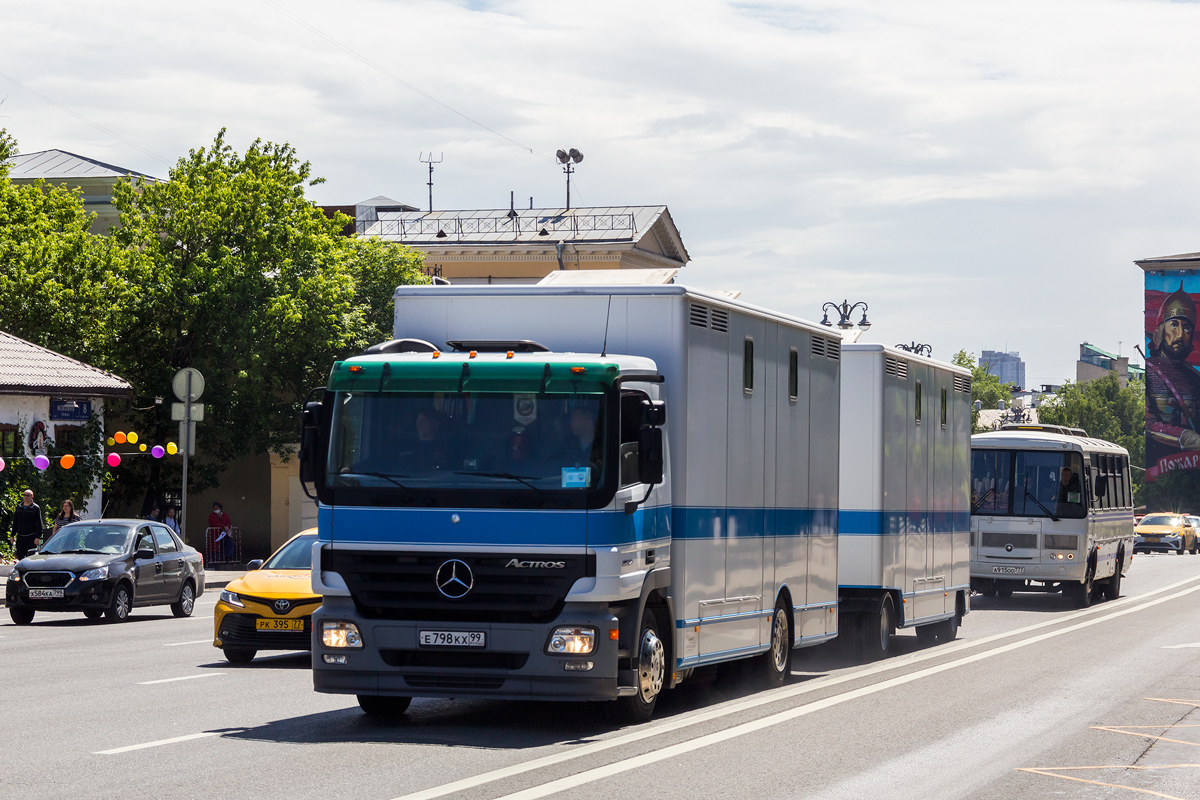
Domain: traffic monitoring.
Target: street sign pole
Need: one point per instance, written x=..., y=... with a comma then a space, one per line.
x=188, y=385
x=187, y=447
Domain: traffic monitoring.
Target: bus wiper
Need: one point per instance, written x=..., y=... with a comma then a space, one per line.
x=982, y=500
x=1025, y=488
x=387, y=477
x=525, y=479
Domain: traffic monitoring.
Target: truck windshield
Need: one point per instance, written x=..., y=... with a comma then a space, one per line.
x=416, y=443
x=1027, y=483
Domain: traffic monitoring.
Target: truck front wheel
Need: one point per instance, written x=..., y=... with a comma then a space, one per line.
x=383, y=707
x=651, y=673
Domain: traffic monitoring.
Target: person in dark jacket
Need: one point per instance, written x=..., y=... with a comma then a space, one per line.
x=27, y=525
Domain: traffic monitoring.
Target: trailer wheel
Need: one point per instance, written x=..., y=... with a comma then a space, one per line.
x=876, y=630
x=651, y=673
x=775, y=665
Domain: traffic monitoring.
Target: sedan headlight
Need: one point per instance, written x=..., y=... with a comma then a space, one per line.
x=571, y=641
x=97, y=574
x=14, y=576
x=340, y=634
x=232, y=599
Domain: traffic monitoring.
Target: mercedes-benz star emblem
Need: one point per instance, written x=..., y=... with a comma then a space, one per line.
x=454, y=579
x=282, y=606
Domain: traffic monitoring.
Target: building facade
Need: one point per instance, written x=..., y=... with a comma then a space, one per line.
x=95, y=179
x=1008, y=367
x=1095, y=363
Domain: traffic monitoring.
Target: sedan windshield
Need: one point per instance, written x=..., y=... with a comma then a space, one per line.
x=474, y=441
x=1170, y=520
x=88, y=538
x=296, y=554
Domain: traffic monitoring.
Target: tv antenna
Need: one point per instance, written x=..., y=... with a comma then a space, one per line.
x=569, y=158
x=430, y=162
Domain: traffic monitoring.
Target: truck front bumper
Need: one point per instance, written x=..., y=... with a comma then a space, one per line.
x=513, y=665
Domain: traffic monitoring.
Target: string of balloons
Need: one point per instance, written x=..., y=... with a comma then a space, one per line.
x=66, y=461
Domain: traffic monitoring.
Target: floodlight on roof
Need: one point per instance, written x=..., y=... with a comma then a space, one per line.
x=569, y=158
x=563, y=156
x=575, y=155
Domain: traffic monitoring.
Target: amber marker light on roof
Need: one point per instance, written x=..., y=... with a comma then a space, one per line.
x=436, y=354
x=472, y=354
x=356, y=368
x=578, y=370
x=509, y=354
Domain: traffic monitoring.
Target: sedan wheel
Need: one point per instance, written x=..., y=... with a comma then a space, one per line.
x=118, y=609
x=94, y=613
x=186, y=602
x=21, y=615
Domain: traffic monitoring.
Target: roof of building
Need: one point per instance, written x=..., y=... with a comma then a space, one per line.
x=26, y=368
x=60, y=165
x=386, y=203
x=1155, y=262
x=503, y=226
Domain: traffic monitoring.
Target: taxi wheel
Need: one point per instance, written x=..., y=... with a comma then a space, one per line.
x=383, y=707
x=186, y=602
x=21, y=615
x=239, y=655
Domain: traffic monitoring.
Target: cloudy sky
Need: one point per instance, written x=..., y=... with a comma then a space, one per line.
x=983, y=175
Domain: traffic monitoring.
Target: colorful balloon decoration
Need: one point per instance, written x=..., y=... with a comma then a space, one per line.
x=157, y=451
x=111, y=441
x=132, y=437
x=1, y=465
x=41, y=462
x=114, y=459
x=67, y=461
x=120, y=437
x=172, y=448
x=142, y=447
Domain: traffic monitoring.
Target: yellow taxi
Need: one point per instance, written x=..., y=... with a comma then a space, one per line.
x=1166, y=533
x=270, y=607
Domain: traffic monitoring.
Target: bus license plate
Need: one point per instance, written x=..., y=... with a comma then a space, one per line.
x=453, y=639
x=42, y=594
x=1008, y=570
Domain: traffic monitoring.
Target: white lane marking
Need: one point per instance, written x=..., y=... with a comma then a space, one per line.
x=184, y=678
x=649, y=731
x=589, y=776
x=159, y=743
x=181, y=644
x=1181, y=646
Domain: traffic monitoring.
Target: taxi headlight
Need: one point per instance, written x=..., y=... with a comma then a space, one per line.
x=232, y=599
x=571, y=641
x=340, y=634
x=97, y=574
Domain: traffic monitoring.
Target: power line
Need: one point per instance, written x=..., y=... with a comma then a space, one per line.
x=356, y=55
x=81, y=117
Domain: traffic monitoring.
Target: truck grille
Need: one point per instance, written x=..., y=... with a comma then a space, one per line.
x=53, y=580
x=454, y=659
x=390, y=585
x=453, y=681
x=994, y=539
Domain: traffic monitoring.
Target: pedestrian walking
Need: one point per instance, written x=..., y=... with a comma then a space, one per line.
x=170, y=520
x=66, y=515
x=155, y=514
x=28, y=525
x=220, y=521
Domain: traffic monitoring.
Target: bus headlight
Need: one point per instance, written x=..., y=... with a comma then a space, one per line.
x=340, y=634
x=571, y=641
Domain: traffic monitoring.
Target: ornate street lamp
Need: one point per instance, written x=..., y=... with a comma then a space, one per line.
x=844, y=311
x=918, y=349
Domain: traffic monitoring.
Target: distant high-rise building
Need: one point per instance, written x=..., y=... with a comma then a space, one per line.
x=1008, y=367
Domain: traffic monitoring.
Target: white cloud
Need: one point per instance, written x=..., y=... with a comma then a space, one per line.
x=980, y=173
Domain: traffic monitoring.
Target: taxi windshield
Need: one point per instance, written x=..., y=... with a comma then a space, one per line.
x=1170, y=520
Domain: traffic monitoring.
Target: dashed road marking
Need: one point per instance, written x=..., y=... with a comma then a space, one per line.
x=159, y=743
x=184, y=678
x=181, y=644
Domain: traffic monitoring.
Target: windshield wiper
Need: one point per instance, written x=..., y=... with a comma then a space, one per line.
x=73, y=552
x=979, y=503
x=386, y=477
x=1025, y=489
x=525, y=479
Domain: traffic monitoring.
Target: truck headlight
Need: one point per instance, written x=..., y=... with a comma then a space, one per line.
x=97, y=574
x=232, y=599
x=340, y=634
x=571, y=641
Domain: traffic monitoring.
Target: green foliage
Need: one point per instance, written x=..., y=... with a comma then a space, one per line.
x=1106, y=411
x=1178, y=490
x=54, y=485
x=985, y=387
x=378, y=268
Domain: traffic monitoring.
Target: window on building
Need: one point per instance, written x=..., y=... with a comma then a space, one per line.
x=748, y=365
x=10, y=441
x=67, y=438
x=944, y=400
x=917, y=410
x=793, y=374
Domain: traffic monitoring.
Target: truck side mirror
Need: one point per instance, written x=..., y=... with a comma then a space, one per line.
x=654, y=413
x=650, y=456
x=310, y=421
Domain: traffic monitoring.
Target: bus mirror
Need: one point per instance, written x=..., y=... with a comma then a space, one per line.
x=1101, y=485
x=650, y=456
x=654, y=413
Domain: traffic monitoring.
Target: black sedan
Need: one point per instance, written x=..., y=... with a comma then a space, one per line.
x=106, y=567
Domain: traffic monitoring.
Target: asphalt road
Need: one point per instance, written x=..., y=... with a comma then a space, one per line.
x=1034, y=700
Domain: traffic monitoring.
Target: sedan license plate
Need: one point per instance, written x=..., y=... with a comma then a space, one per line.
x=279, y=624
x=453, y=639
x=42, y=594
x=1008, y=570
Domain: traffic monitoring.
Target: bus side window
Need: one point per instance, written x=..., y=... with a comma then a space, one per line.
x=1093, y=471
x=1126, y=489
x=1106, y=472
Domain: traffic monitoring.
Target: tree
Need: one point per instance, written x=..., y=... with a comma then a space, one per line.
x=1108, y=411
x=233, y=271
x=985, y=387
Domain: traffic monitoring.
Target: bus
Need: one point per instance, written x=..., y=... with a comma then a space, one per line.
x=1051, y=510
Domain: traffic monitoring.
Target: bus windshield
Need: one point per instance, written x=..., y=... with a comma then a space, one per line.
x=474, y=441
x=1027, y=483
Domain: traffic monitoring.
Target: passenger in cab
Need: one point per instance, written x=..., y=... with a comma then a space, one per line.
x=578, y=447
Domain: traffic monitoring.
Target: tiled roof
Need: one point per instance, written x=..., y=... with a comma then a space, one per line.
x=59, y=165
x=26, y=368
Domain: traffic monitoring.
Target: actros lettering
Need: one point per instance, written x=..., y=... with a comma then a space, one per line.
x=535, y=564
